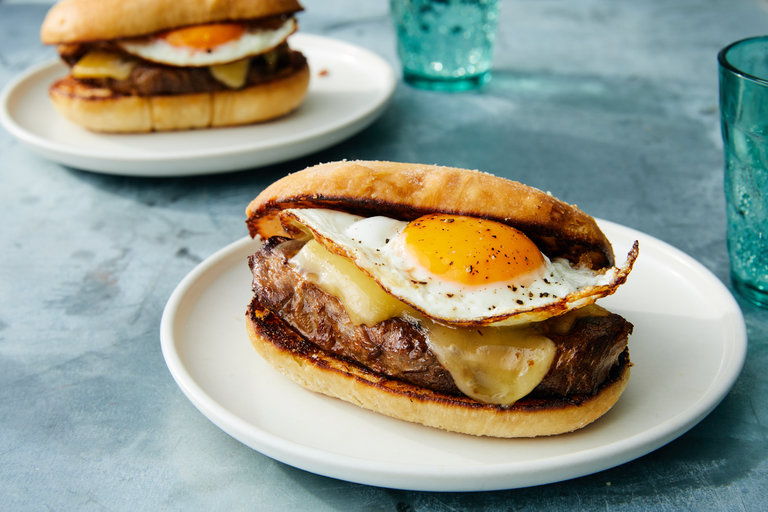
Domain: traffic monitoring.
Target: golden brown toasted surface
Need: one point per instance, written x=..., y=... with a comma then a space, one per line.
x=99, y=109
x=319, y=371
x=406, y=191
x=72, y=21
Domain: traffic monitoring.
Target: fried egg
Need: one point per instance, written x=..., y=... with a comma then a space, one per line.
x=460, y=270
x=207, y=45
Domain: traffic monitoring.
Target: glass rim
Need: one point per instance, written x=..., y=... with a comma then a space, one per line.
x=722, y=59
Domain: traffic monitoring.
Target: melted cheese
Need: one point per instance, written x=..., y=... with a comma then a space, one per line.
x=564, y=323
x=364, y=300
x=496, y=365
x=232, y=74
x=100, y=64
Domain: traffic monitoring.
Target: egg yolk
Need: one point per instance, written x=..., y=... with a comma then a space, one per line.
x=202, y=37
x=472, y=251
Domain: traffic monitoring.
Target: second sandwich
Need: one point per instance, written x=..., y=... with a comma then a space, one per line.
x=156, y=65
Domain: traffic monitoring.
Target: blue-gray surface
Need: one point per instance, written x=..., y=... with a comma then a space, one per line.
x=609, y=104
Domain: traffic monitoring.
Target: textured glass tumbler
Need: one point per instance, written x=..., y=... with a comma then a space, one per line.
x=744, y=122
x=445, y=45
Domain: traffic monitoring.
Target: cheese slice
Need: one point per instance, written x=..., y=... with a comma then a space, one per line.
x=232, y=74
x=101, y=64
x=496, y=365
x=363, y=299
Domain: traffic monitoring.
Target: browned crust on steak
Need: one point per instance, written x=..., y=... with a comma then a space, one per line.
x=323, y=372
x=399, y=348
x=152, y=79
x=585, y=355
x=395, y=347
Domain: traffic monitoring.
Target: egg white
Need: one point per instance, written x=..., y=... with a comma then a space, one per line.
x=253, y=42
x=376, y=246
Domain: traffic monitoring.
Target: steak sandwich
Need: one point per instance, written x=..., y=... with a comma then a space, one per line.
x=148, y=65
x=441, y=296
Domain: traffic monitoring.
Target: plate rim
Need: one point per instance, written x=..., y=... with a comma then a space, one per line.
x=494, y=476
x=103, y=161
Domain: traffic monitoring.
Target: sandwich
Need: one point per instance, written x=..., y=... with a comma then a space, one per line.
x=157, y=65
x=446, y=297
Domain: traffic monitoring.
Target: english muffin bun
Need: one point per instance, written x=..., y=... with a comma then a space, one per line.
x=500, y=376
x=166, y=65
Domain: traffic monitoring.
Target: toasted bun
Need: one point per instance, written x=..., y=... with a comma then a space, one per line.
x=101, y=110
x=322, y=372
x=406, y=191
x=77, y=21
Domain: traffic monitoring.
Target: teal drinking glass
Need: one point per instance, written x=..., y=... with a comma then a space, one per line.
x=445, y=44
x=743, y=73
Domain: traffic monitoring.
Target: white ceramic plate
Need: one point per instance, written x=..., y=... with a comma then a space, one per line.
x=349, y=88
x=688, y=348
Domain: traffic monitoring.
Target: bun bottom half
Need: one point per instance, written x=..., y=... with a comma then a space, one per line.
x=322, y=372
x=99, y=109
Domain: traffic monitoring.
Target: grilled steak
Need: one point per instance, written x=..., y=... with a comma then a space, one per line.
x=151, y=79
x=398, y=347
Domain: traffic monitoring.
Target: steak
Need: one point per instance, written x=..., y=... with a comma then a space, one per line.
x=152, y=79
x=398, y=347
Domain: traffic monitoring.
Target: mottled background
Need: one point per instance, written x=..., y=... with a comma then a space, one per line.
x=608, y=104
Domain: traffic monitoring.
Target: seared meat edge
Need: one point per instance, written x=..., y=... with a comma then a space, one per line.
x=398, y=347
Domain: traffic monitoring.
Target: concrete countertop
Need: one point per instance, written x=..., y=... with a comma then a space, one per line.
x=609, y=105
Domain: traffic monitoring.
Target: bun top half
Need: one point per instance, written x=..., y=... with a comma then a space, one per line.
x=78, y=21
x=407, y=191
